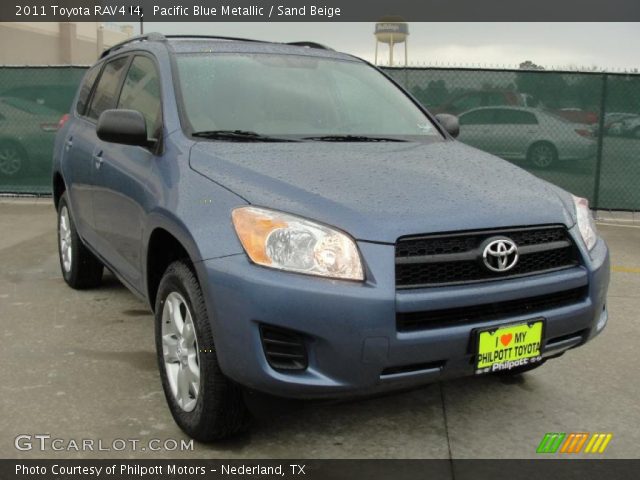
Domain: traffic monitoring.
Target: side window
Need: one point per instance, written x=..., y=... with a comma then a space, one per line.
x=141, y=92
x=106, y=93
x=516, y=117
x=85, y=89
x=478, y=117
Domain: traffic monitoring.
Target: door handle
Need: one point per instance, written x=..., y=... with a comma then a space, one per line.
x=97, y=160
x=69, y=143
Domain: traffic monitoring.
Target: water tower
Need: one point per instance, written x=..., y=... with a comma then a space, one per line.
x=392, y=30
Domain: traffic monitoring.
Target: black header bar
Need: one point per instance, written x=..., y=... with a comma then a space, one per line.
x=320, y=10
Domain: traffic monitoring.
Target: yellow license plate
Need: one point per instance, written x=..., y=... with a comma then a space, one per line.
x=508, y=347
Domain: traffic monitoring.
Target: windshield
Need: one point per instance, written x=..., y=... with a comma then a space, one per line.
x=293, y=95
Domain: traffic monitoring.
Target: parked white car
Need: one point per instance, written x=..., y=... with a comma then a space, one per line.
x=522, y=133
x=630, y=127
x=614, y=122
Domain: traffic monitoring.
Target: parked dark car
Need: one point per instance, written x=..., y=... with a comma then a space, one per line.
x=54, y=97
x=27, y=132
x=300, y=226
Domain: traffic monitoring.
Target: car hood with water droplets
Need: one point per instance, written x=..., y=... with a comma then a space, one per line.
x=381, y=191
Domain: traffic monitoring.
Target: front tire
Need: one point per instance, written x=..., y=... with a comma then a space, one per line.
x=13, y=159
x=542, y=155
x=204, y=403
x=80, y=268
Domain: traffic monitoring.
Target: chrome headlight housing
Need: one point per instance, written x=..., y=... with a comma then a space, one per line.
x=586, y=224
x=288, y=242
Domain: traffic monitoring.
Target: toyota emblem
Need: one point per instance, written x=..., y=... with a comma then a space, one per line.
x=500, y=254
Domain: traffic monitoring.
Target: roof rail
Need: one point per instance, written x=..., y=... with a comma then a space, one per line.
x=216, y=37
x=310, y=45
x=149, y=37
x=159, y=37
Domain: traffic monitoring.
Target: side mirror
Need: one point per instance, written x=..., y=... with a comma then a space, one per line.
x=450, y=123
x=127, y=127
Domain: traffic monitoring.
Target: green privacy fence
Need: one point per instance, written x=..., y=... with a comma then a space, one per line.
x=578, y=130
x=32, y=101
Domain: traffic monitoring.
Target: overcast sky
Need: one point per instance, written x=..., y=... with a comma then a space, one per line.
x=605, y=45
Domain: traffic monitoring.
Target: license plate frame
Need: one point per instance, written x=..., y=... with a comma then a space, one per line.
x=509, y=362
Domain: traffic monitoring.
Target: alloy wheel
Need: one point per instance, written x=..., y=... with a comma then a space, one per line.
x=10, y=160
x=180, y=351
x=66, y=248
x=542, y=156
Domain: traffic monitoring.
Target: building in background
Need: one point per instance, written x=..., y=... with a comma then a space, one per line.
x=57, y=43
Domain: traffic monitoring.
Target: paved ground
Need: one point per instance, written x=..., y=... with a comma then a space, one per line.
x=79, y=365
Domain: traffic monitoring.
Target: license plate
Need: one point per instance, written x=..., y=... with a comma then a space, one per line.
x=508, y=347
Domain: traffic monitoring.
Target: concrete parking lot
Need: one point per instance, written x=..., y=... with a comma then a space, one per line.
x=81, y=365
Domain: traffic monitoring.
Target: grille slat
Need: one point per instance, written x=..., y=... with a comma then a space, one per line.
x=490, y=311
x=456, y=258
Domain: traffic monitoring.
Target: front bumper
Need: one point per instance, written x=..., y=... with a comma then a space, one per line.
x=350, y=328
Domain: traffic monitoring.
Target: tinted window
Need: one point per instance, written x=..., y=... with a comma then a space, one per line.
x=478, y=117
x=141, y=92
x=85, y=89
x=515, y=117
x=106, y=92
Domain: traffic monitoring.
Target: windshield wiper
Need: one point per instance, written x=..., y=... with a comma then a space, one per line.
x=239, y=135
x=353, y=138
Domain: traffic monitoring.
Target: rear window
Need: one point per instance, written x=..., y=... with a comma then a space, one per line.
x=85, y=88
x=106, y=92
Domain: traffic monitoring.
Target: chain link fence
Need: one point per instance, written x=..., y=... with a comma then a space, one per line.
x=32, y=102
x=578, y=130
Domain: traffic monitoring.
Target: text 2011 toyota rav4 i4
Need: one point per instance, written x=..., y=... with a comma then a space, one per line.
x=301, y=226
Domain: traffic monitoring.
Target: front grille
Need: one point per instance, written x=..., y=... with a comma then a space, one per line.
x=456, y=258
x=488, y=311
x=284, y=349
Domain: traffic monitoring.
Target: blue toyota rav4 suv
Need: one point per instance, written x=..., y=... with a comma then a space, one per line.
x=301, y=226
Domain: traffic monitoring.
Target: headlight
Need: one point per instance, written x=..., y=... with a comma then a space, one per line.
x=287, y=242
x=586, y=225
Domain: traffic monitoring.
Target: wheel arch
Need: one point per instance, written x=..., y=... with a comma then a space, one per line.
x=59, y=187
x=165, y=245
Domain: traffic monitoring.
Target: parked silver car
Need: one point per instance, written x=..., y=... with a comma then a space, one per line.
x=521, y=133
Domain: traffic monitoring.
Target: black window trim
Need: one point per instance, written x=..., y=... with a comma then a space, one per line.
x=99, y=66
x=143, y=53
x=158, y=145
x=490, y=110
x=130, y=54
x=523, y=114
x=84, y=115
